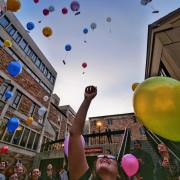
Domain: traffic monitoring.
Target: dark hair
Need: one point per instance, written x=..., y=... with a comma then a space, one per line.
x=137, y=142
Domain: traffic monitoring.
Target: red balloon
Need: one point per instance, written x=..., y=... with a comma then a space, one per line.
x=64, y=10
x=36, y=1
x=4, y=149
x=45, y=12
x=84, y=65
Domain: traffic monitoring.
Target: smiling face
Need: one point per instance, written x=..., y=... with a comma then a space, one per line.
x=106, y=165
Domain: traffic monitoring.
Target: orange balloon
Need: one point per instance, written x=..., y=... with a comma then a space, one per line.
x=13, y=5
x=29, y=121
x=47, y=31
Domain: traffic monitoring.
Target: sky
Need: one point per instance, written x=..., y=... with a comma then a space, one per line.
x=115, y=52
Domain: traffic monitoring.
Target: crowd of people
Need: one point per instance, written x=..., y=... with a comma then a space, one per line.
x=106, y=166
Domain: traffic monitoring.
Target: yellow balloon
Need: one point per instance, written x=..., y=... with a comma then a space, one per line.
x=7, y=43
x=29, y=121
x=19, y=128
x=156, y=104
x=134, y=85
x=47, y=31
x=13, y=5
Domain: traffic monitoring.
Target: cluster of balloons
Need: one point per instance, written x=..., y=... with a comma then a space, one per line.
x=12, y=124
x=48, y=10
x=156, y=103
x=14, y=68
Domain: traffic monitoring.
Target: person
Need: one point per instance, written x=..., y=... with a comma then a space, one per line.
x=166, y=167
x=3, y=166
x=49, y=173
x=106, y=166
x=108, y=132
x=146, y=165
x=35, y=174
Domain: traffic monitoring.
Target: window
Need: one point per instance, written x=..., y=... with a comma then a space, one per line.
x=17, y=37
x=11, y=30
x=17, y=99
x=45, y=71
x=109, y=121
x=25, y=137
x=163, y=71
x=38, y=62
x=23, y=44
x=142, y=131
x=18, y=135
x=33, y=56
x=4, y=21
x=28, y=51
x=31, y=111
x=52, y=79
x=42, y=67
x=2, y=104
x=3, y=123
x=31, y=139
x=49, y=75
x=3, y=89
x=36, y=142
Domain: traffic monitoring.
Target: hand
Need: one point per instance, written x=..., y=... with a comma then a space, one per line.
x=90, y=92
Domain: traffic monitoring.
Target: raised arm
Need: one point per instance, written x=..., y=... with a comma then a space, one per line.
x=76, y=155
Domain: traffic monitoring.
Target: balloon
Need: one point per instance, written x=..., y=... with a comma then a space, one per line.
x=75, y=5
x=45, y=98
x=36, y=1
x=155, y=11
x=14, y=68
x=45, y=12
x=85, y=30
x=8, y=94
x=66, y=143
x=13, y=5
x=41, y=111
x=156, y=104
x=108, y=19
x=4, y=149
x=84, y=65
x=93, y=26
x=29, y=121
x=134, y=85
x=47, y=31
x=68, y=47
x=30, y=26
x=51, y=8
x=145, y=2
x=64, y=10
x=7, y=43
x=12, y=124
x=130, y=164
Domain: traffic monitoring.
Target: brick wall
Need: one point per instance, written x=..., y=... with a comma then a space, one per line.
x=24, y=79
x=63, y=128
x=1, y=79
x=54, y=114
x=25, y=105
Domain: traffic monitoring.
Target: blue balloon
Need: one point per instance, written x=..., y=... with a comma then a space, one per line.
x=68, y=47
x=8, y=94
x=12, y=124
x=14, y=68
x=30, y=26
x=85, y=30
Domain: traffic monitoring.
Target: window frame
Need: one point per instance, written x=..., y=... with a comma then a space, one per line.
x=12, y=28
x=14, y=103
x=7, y=20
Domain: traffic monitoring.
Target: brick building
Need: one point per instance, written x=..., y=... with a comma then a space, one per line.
x=116, y=122
x=36, y=81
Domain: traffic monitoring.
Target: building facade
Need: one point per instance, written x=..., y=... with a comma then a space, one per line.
x=36, y=81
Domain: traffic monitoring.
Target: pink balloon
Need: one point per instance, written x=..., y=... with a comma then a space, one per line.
x=130, y=164
x=66, y=143
x=4, y=149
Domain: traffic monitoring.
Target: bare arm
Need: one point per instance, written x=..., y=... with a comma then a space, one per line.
x=76, y=155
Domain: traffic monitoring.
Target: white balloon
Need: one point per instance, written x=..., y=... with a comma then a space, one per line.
x=41, y=111
x=45, y=98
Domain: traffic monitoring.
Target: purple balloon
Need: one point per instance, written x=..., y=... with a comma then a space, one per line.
x=75, y=5
x=66, y=143
x=130, y=164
